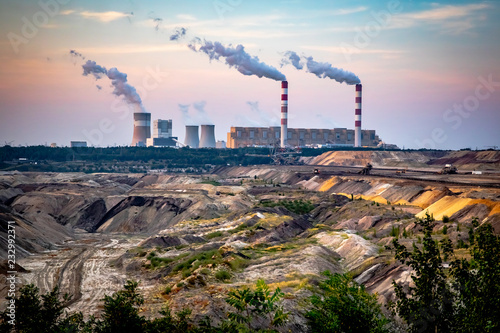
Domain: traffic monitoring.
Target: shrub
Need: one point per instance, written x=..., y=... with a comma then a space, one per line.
x=222, y=275
x=345, y=306
x=394, y=232
x=214, y=234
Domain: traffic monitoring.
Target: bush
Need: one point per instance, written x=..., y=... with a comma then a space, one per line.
x=222, y=275
x=345, y=306
x=167, y=290
x=394, y=232
x=214, y=234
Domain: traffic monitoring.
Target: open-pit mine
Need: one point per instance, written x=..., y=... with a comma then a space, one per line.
x=174, y=233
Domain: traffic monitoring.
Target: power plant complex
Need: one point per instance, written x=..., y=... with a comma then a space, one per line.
x=203, y=136
x=239, y=137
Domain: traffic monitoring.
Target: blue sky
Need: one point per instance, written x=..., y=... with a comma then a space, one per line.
x=423, y=66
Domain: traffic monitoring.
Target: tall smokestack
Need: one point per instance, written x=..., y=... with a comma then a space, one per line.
x=357, y=117
x=284, y=113
x=142, y=128
x=207, y=137
x=192, y=139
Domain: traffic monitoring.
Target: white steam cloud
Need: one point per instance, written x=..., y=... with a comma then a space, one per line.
x=236, y=56
x=320, y=69
x=200, y=118
x=118, y=81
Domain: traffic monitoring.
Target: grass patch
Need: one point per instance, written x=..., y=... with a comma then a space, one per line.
x=211, y=182
x=214, y=234
x=296, y=206
x=222, y=275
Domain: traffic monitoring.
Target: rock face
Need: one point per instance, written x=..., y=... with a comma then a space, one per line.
x=138, y=214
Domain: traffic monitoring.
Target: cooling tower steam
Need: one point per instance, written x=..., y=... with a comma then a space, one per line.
x=184, y=108
x=320, y=69
x=236, y=56
x=118, y=81
x=202, y=115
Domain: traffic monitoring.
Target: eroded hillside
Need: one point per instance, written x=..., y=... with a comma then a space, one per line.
x=191, y=239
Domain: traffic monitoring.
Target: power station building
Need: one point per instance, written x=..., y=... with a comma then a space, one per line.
x=298, y=137
x=162, y=134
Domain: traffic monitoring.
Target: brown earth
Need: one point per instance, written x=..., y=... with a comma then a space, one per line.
x=88, y=234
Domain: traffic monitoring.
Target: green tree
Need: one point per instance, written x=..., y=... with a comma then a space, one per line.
x=121, y=311
x=37, y=313
x=477, y=282
x=465, y=298
x=345, y=306
x=427, y=307
x=260, y=303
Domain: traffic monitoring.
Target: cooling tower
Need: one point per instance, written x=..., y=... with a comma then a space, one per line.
x=192, y=139
x=207, y=136
x=284, y=113
x=357, y=118
x=142, y=128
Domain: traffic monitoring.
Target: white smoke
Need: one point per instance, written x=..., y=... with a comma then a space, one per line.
x=202, y=115
x=184, y=109
x=199, y=118
x=236, y=56
x=292, y=58
x=118, y=81
x=320, y=69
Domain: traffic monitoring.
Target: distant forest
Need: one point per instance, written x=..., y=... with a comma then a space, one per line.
x=91, y=159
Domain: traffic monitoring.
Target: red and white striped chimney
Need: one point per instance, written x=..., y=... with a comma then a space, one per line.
x=357, y=118
x=284, y=113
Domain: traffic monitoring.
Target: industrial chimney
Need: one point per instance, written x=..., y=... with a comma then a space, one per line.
x=284, y=113
x=192, y=139
x=142, y=128
x=207, y=136
x=357, y=118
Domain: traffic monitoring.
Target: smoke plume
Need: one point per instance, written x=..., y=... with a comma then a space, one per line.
x=118, y=81
x=178, y=34
x=292, y=58
x=236, y=56
x=202, y=115
x=200, y=118
x=184, y=109
x=320, y=69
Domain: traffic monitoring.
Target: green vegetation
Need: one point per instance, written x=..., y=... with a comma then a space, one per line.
x=121, y=314
x=345, y=306
x=211, y=182
x=295, y=206
x=135, y=159
x=214, y=234
x=156, y=261
x=394, y=232
x=463, y=298
x=260, y=303
x=222, y=275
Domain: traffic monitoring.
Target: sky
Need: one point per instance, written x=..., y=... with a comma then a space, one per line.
x=430, y=70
